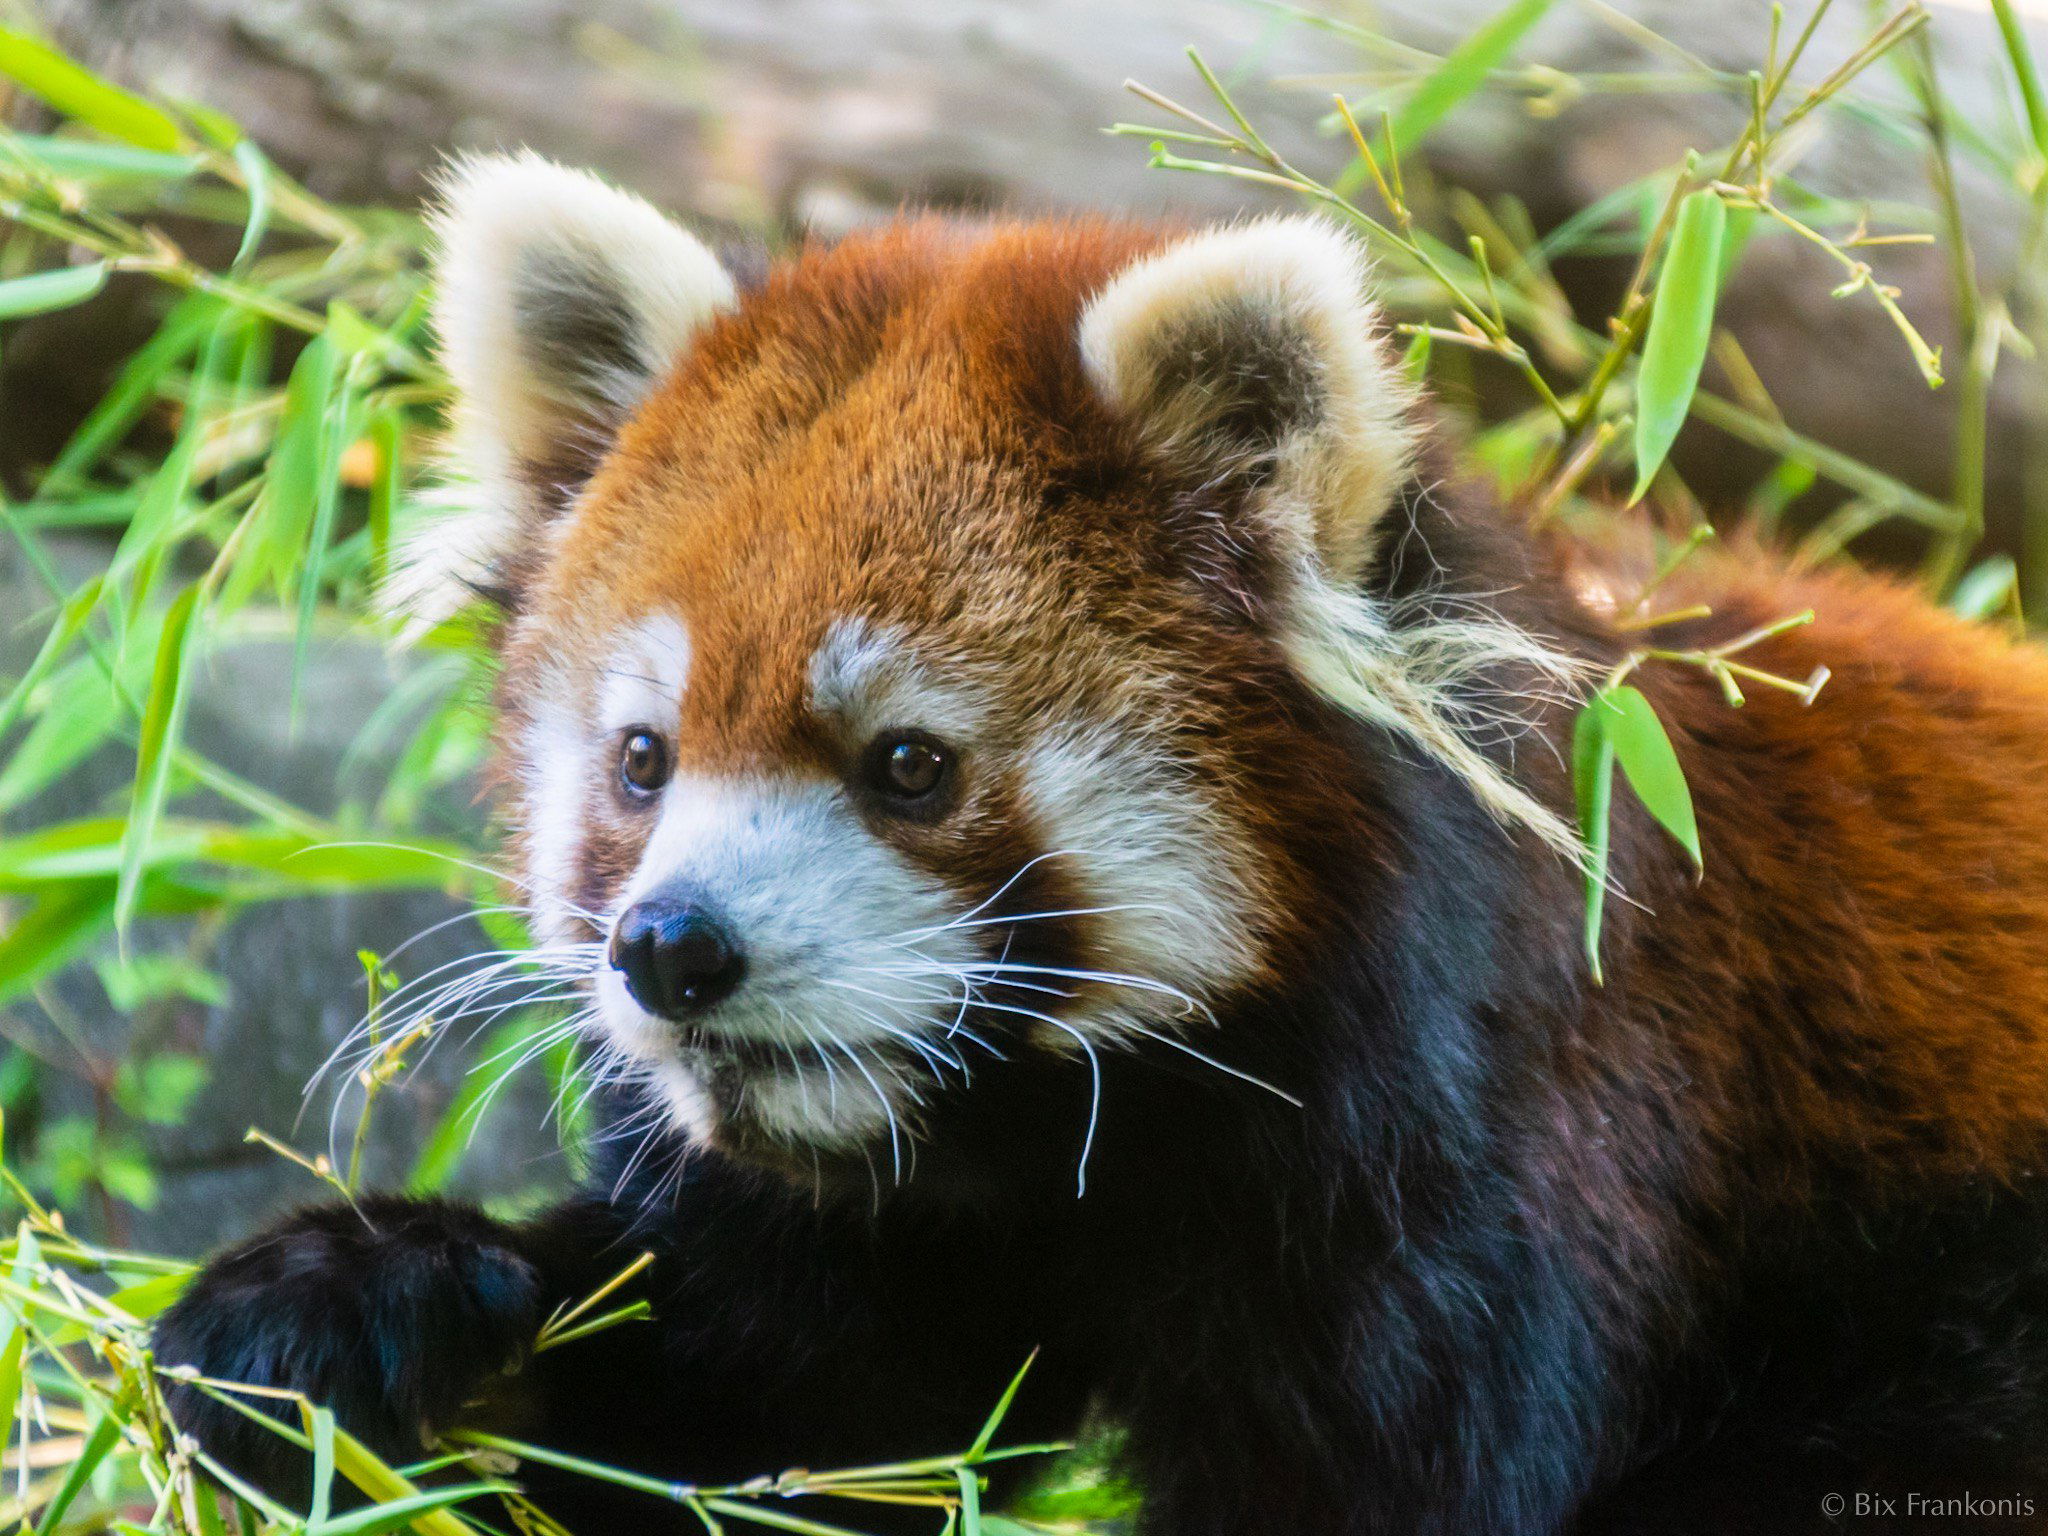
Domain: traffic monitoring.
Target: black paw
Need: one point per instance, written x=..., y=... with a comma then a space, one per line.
x=394, y=1314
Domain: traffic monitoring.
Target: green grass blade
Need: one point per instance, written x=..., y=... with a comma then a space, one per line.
x=1681, y=325
x=78, y=93
x=41, y=292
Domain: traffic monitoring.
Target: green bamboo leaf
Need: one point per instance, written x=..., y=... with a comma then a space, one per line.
x=2022, y=57
x=320, y=1426
x=77, y=714
x=970, y=1501
x=96, y=160
x=1992, y=585
x=312, y=563
x=390, y=1490
x=1681, y=325
x=78, y=93
x=255, y=168
x=402, y=1513
x=1651, y=766
x=77, y=608
x=46, y=937
x=162, y=718
x=291, y=493
x=1593, y=784
x=106, y=1434
x=10, y=1379
x=1463, y=71
x=60, y=288
x=387, y=434
x=1001, y=1410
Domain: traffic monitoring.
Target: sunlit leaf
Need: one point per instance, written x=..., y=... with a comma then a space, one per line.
x=1650, y=764
x=106, y=1434
x=78, y=93
x=59, y=288
x=162, y=718
x=94, y=160
x=1991, y=586
x=1681, y=325
x=1464, y=70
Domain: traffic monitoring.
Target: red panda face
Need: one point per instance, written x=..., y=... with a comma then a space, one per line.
x=913, y=663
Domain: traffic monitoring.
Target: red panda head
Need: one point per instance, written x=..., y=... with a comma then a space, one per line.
x=924, y=658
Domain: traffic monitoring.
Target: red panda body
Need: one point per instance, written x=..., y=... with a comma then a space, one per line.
x=1058, y=802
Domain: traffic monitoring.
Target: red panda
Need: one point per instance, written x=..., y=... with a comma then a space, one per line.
x=1053, y=795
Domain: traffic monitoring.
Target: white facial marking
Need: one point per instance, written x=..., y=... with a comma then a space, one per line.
x=869, y=679
x=643, y=685
x=560, y=780
x=1145, y=844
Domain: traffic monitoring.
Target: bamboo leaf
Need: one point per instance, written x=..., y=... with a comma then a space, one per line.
x=106, y=1434
x=78, y=93
x=255, y=168
x=401, y=1513
x=77, y=608
x=10, y=1379
x=1992, y=585
x=1463, y=70
x=60, y=288
x=46, y=936
x=1001, y=1409
x=94, y=160
x=320, y=1427
x=162, y=718
x=2022, y=56
x=1593, y=785
x=292, y=490
x=1645, y=754
x=373, y=1476
x=1681, y=325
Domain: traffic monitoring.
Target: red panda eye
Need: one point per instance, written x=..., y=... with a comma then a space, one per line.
x=908, y=767
x=643, y=762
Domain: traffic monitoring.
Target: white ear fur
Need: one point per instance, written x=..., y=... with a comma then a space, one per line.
x=1254, y=345
x=560, y=302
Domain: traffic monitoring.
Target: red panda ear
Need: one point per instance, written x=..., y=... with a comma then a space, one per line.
x=560, y=302
x=1252, y=350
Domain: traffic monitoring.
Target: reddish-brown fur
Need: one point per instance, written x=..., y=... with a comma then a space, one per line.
x=1750, y=1223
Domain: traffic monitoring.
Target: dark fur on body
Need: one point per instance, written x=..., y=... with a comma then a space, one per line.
x=1531, y=1257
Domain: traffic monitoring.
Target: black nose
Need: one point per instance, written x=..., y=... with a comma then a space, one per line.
x=677, y=958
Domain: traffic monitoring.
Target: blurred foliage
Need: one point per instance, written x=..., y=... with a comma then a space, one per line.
x=246, y=472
